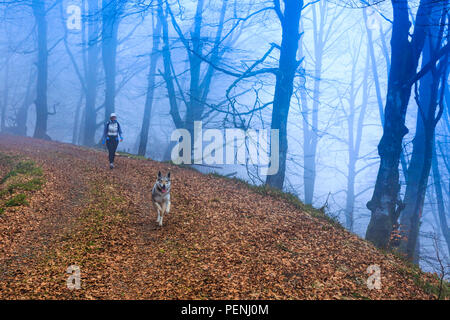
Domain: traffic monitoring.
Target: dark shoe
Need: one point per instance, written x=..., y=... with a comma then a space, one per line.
x=111, y=165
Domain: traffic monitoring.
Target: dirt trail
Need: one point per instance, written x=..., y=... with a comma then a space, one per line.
x=221, y=240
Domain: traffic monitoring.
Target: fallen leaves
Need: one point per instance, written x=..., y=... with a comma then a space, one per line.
x=222, y=240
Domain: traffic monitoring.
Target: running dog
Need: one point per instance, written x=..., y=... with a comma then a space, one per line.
x=161, y=196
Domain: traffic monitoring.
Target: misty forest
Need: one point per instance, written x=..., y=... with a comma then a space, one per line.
x=358, y=91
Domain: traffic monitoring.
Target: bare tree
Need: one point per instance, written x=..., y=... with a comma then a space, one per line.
x=376, y=80
x=111, y=15
x=355, y=122
x=150, y=85
x=91, y=73
x=323, y=20
x=288, y=64
x=385, y=205
x=437, y=182
x=428, y=100
x=21, y=118
x=438, y=262
x=4, y=103
x=39, y=12
x=195, y=99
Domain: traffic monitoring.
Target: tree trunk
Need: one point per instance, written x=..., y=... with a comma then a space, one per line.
x=194, y=109
x=385, y=206
x=440, y=199
x=90, y=114
x=76, y=125
x=288, y=64
x=168, y=78
x=150, y=88
x=355, y=138
x=420, y=164
x=310, y=137
x=110, y=24
x=5, y=98
x=39, y=12
x=377, y=82
x=22, y=114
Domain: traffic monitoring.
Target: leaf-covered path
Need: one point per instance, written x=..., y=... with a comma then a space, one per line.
x=221, y=240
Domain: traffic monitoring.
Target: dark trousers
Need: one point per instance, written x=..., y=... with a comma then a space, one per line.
x=112, y=144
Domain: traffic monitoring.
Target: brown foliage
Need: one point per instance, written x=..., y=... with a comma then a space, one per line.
x=222, y=240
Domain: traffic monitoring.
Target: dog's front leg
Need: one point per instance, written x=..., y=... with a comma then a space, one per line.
x=158, y=210
x=168, y=207
x=161, y=220
x=163, y=211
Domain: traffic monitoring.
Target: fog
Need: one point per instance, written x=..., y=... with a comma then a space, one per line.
x=220, y=64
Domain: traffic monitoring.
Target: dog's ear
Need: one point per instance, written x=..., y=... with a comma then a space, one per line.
x=159, y=174
x=168, y=175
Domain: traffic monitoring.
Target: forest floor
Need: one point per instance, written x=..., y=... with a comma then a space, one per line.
x=61, y=205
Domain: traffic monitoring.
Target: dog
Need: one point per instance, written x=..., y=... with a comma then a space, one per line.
x=161, y=196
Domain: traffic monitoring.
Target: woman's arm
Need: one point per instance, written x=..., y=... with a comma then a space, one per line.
x=105, y=130
x=120, y=130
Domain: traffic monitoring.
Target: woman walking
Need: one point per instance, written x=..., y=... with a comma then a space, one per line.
x=111, y=135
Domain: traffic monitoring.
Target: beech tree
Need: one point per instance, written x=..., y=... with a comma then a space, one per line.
x=91, y=73
x=386, y=205
x=324, y=19
x=39, y=12
x=438, y=187
x=429, y=98
x=199, y=59
x=111, y=15
x=355, y=122
x=288, y=64
x=154, y=55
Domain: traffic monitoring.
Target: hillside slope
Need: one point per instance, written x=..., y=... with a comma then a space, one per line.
x=221, y=240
